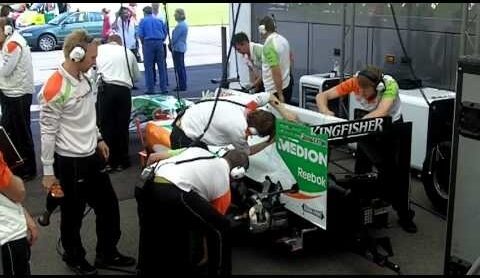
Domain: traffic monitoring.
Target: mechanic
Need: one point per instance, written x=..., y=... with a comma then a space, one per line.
x=377, y=94
x=74, y=152
x=252, y=53
x=277, y=60
x=17, y=229
x=190, y=191
x=235, y=118
x=114, y=102
x=16, y=89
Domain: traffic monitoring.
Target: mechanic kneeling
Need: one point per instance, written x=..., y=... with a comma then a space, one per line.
x=189, y=190
x=378, y=94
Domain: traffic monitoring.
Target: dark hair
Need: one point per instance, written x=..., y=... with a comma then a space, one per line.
x=263, y=121
x=269, y=24
x=236, y=158
x=372, y=75
x=147, y=10
x=239, y=38
x=5, y=10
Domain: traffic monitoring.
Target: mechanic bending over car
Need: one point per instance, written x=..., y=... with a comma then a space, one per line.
x=235, y=118
x=188, y=190
x=378, y=94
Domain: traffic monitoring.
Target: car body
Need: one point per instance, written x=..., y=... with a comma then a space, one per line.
x=51, y=35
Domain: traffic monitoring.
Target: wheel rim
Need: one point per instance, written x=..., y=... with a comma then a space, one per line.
x=46, y=43
x=442, y=172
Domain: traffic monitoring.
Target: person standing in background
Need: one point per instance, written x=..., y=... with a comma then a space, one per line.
x=276, y=61
x=179, y=47
x=124, y=26
x=107, y=27
x=16, y=89
x=152, y=33
x=160, y=15
x=114, y=100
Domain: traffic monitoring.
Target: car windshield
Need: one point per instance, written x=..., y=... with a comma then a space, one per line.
x=58, y=19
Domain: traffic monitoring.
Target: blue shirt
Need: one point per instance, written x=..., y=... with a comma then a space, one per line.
x=152, y=28
x=179, y=37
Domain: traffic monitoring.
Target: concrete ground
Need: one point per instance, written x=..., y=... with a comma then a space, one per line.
x=420, y=253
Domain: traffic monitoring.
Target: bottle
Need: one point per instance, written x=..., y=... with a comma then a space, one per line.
x=336, y=68
x=56, y=191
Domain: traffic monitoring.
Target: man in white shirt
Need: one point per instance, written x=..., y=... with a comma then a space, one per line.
x=73, y=156
x=16, y=89
x=252, y=53
x=114, y=103
x=235, y=119
x=190, y=192
x=17, y=229
x=276, y=58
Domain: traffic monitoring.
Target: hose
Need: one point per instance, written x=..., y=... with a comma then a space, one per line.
x=405, y=52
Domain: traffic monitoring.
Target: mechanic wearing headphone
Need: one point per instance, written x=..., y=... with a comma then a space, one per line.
x=190, y=190
x=236, y=117
x=277, y=61
x=378, y=94
x=72, y=154
x=16, y=89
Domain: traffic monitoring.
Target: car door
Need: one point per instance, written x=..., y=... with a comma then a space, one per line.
x=95, y=24
x=72, y=22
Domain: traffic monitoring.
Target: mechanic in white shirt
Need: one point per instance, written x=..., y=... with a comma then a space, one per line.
x=235, y=118
x=17, y=228
x=16, y=89
x=114, y=103
x=190, y=192
x=252, y=54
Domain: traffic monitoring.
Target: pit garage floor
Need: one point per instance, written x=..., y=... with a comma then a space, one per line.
x=420, y=253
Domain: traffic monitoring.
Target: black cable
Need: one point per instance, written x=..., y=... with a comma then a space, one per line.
x=197, y=140
x=236, y=56
x=409, y=61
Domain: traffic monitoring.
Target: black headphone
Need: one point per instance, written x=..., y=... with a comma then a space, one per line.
x=379, y=83
x=77, y=54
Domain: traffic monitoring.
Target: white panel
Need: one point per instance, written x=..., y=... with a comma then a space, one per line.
x=243, y=25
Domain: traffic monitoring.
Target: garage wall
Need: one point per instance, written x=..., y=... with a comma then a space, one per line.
x=430, y=32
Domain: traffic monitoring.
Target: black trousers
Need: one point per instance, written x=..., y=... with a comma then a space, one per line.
x=384, y=153
x=83, y=183
x=287, y=92
x=166, y=215
x=178, y=138
x=16, y=121
x=113, y=108
x=16, y=258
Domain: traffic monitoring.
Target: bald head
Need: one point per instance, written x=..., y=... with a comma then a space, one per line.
x=115, y=38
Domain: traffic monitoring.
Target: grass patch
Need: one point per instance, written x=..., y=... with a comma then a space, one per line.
x=200, y=14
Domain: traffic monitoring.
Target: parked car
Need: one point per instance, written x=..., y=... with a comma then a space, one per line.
x=51, y=35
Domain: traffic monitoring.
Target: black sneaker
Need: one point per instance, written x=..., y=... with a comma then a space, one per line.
x=82, y=267
x=117, y=260
x=406, y=222
x=44, y=219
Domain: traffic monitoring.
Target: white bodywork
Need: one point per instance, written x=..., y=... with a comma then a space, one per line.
x=414, y=109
